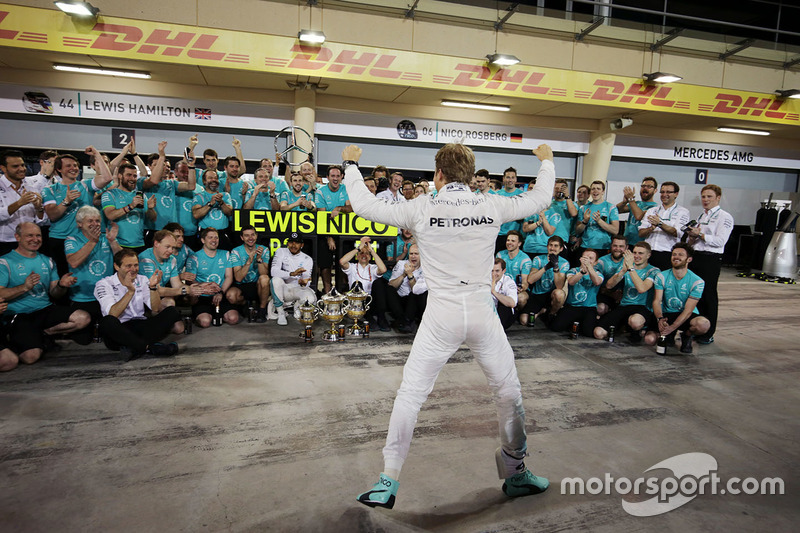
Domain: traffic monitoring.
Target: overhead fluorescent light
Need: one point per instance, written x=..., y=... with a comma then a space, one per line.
x=77, y=8
x=661, y=77
x=103, y=71
x=502, y=60
x=788, y=93
x=743, y=130
x=311, y=37
x=472, y=105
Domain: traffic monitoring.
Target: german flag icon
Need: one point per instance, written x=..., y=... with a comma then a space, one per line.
x=516, y=137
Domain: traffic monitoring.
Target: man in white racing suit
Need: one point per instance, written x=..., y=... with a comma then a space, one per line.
x=455, y=232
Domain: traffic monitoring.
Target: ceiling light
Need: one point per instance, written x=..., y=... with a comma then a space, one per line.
x=502, y=60
x=743, y=130
x=661, y=77
x=103, y=71
x=311, y=37
x=472, y=105
x=77, y=8
x=788, y=93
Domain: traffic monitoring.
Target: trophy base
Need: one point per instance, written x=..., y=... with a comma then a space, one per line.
x=332, y=336
x=355, y=331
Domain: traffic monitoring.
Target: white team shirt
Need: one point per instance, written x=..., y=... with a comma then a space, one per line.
x=284, y=262
x=366, y=274
x=109, y=290
x=421, y=286
x=26, y=213
x=400, y=270
x=393, y=198
x=676, y=216
x=716, y=225
x=506, y=287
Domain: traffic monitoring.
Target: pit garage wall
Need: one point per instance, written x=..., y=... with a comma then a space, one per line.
x=747, y=175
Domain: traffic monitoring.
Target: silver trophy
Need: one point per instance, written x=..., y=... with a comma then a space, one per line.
x=293, y=134
x=358, y=306
x=333, y=307
x=308, y=314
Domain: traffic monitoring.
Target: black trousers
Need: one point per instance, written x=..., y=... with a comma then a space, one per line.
x=379, y=292
x=137, y=334
x=585, y=316
x=407, y=308
x=506, y=315
x=707, y=266
x=55, y=247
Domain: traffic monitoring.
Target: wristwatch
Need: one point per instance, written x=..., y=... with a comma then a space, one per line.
x=183, y=290
x=349, y=162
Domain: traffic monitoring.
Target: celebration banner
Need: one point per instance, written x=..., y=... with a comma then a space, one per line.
x=43, y=29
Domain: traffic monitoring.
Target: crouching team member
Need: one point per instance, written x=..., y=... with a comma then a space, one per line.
x=250, y=263
x=675, y=301
x=210, y=267
x=405, y=303
x=457, y=259
x=28, y=280
x=291, y=277
x=123, y=297
x=504, y=293
x=161, y=258
x=546, y=279
x=583, y=283
x=635, y=309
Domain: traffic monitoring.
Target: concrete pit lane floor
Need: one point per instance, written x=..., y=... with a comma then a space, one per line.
x=249, y=429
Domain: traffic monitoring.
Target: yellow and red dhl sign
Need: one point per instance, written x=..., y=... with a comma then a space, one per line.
x=172, y=43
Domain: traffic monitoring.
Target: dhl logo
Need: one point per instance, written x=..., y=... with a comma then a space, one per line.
x=128, y=38
x=131, y=40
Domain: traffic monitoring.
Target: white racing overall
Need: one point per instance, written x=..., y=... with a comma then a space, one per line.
x=455, y=233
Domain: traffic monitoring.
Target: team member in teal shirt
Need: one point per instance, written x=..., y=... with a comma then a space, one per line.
x=234, y=184
x=636, y=210
x=184, y=199
x=125, y=205
x=677, y=292
x=295, y=199
x=584, y=283
x=212, y=208
x=211, y=160
x=266, y=193
x=597, y=221
x=210, y=265
x=608, y=265
x=539, y=228
x=90, y=255
x=166, y=192
x=331, y=197
x=635, y=308
x=181, y=251
x=62, y=199
x=28, y=280
x=546, y=280
x=565, y=207
x=250, y=264
x=518, y=266
x=509, y=189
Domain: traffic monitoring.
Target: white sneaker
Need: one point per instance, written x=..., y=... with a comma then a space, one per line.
x=282, y=317
x=272, y=312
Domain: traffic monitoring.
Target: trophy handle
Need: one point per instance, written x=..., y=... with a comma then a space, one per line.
x=345, y=305
x=368, y=301
x=319, y=306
